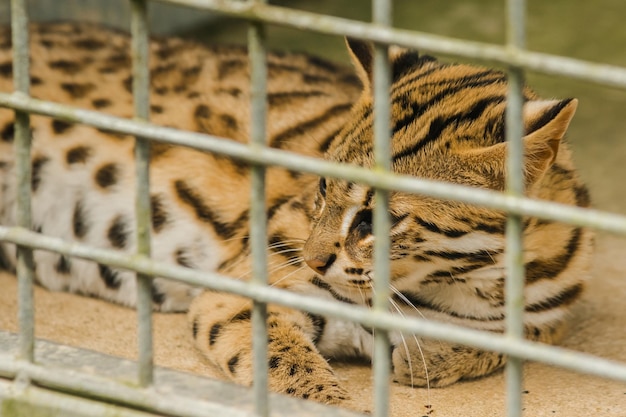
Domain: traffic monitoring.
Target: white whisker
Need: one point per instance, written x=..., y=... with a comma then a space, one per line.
x=406, y=300
x=417, y=343
x=287, y=276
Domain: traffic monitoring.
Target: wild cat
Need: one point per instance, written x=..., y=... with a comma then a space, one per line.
x=446, y=257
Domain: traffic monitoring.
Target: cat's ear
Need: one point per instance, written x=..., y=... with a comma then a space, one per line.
x=362, y=54
x=545, y=122
x=402, y=60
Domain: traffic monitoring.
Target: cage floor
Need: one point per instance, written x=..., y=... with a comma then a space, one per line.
x=597, y=327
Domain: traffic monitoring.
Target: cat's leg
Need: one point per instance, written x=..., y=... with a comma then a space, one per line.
x=221, y=329
x=422, y=362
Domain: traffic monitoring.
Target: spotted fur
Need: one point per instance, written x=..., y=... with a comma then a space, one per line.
x=446, y=257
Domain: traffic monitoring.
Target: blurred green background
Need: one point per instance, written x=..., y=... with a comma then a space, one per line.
x=590, y=30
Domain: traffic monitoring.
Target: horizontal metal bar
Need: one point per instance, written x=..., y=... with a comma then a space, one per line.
x=65, y=369
x=35, y=401
x=608, y=222
x=147, y=399
x=579, y=362
x=545, y=63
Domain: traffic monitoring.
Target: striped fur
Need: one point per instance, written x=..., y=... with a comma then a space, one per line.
x=447, y=257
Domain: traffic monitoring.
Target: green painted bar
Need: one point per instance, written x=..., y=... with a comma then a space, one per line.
x=141, y=102
x=258, y=221
x=514, y=258
x=382, y=12
x=25, y=263
x=258, y=12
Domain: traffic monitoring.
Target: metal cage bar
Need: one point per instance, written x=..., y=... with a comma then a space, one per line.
x=25, y=262
x=514, y=283
x=141, y=102
x=258, y=12
x=382, y=12
x=258, y=220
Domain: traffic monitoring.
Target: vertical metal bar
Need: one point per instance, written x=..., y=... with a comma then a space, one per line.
x=141, y=100
x=382, y=156
x=514, y=287
x=258, y=228
x=22, y=141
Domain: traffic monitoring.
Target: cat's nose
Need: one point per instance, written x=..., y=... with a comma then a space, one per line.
x=321, y=263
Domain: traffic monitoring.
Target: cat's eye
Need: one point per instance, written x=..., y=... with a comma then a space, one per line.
x=323, y=187
x=362, y=223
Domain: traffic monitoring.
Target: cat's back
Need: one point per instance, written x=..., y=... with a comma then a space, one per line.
x=83, y=177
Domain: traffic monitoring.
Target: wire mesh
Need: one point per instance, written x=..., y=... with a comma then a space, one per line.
x=380, y=31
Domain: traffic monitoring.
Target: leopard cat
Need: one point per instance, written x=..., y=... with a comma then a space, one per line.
x=447, y=258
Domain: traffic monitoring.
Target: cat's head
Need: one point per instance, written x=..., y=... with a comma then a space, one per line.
x=448, y=125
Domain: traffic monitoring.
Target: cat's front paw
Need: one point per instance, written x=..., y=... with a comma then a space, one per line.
x=303, y=373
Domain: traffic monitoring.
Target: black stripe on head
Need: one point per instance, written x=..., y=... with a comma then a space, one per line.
x=414, y=110
x=440, y=123
x=407, y=62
